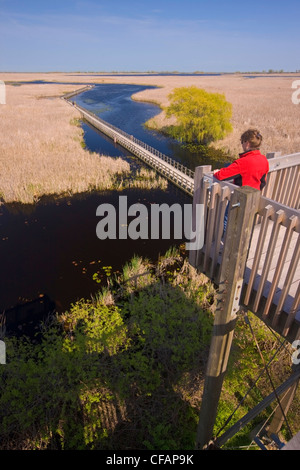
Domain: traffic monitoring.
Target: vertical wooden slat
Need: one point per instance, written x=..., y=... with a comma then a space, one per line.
x=292, y=314
x=215, y=188
x=292, y=188
x=205, y=201
x=219, y=226
x=268, y=210
x=279, y=216
x=283, y=252
x=295, y=198
x=280, y=187
x=286, y=185
x=288, y=281
x=276, y=183
x=268, y=190
x=199, y=197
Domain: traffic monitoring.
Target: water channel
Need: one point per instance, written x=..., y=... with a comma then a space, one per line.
x=51, y=248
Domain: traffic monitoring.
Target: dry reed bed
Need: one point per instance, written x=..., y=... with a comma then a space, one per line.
x=263, y=102
x=147, y=179
x=40, y=147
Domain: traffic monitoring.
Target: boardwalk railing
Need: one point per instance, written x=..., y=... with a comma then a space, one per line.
x=255, y=266
x=283, y=182
x=270, y=286
x=174, y=171
x=272, y=273
x=67, y=96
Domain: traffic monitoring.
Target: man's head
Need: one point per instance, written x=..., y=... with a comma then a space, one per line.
x=251, y=139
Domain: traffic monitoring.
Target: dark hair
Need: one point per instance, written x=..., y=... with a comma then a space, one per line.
x=253, y=136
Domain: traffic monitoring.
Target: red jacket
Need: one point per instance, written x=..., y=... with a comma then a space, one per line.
x=250, y=169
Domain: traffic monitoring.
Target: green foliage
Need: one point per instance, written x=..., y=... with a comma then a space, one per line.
x=53, y=383
x=125, y=370
x=246, y=382
x=108, y=376
x=201, y=117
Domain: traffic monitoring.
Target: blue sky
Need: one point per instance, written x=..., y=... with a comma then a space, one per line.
x=152, y=35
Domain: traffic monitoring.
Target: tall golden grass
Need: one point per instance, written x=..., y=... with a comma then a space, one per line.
x=147, y=179
x=41, y=150
x=264, y=102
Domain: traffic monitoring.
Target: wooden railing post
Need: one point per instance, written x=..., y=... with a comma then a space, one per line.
x=243, y=207
x=198, y=198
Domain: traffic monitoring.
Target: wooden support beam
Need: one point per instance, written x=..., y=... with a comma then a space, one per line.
x=243, y=207
x=279, y=418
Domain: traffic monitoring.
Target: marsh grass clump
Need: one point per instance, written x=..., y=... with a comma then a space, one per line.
x=147, y=179
x=42, y=151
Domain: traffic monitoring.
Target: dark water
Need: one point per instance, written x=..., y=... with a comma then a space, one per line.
x=51, y=248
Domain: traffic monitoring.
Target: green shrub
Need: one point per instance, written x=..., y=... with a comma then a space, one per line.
x=107, y=376
x=125, y=370
x=201, y=117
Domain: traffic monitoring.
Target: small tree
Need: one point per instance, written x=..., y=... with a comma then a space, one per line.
x=201, y=117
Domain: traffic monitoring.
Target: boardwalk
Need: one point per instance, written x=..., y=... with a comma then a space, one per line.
x=171, y=169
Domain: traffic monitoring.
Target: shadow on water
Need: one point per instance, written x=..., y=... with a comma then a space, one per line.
x=50, y=250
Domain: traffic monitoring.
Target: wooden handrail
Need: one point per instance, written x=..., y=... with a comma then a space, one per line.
x=284, y=161
x=256, y=270
x=274, y=246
